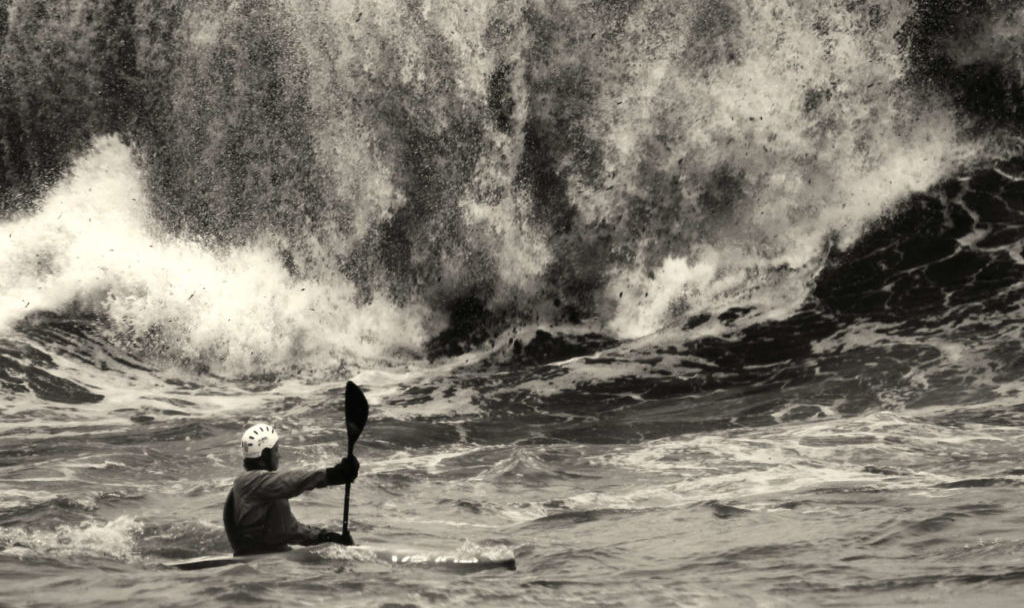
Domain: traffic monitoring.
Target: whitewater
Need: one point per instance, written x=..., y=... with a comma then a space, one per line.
x=706, y=304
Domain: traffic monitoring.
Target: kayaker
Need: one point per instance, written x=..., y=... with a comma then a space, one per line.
x=257, y=516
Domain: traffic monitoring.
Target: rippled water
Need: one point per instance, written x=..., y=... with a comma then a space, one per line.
x=605, y=499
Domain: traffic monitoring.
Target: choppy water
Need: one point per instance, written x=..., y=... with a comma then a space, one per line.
x=713, y=303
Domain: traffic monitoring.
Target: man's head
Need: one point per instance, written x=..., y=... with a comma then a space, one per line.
x=259, y=447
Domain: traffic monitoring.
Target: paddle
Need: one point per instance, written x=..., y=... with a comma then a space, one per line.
x=356, y=412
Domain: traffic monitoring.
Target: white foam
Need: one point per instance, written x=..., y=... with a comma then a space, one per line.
x=809, y=175
x=114, y=539
x=235, y=312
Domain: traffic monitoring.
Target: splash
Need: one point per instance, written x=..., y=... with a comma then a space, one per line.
x=804, y=133
x=114, y=539
x=233, y=311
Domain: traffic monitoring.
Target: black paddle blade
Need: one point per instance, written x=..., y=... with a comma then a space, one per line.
x=356, y=412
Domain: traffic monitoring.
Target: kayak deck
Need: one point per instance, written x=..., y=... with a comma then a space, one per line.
x=401, y=557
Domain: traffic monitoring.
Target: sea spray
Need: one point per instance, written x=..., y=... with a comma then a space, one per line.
x=92, y=248
x=484, y=166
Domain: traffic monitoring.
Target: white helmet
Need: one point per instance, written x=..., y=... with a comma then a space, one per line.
x=257, y=437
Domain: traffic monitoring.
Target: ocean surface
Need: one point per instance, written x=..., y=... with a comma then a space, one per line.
x=715, y=303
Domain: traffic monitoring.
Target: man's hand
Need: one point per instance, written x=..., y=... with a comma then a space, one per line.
x=345, y=471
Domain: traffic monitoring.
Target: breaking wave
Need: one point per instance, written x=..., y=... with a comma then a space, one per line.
x=301, y=186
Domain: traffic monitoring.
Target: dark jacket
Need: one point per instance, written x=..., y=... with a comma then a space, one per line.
x=262, y=516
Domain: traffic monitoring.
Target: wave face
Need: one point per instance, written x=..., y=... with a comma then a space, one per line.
x=291, y=184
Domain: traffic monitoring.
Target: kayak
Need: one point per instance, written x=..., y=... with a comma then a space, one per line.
x=460, y=563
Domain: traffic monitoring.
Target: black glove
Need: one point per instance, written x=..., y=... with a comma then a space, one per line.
x=345, y=471
x=326, y=536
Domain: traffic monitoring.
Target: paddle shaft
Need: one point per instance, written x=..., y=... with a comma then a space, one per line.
x=348, y=491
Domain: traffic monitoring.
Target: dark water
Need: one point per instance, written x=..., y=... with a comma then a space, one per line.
x=713, y=305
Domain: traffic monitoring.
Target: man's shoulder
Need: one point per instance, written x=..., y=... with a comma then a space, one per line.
x=277, y=484
x=265, y=476
x=247, y=477
x=252, y=473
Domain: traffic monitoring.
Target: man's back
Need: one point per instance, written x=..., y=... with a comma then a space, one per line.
x=263, y=518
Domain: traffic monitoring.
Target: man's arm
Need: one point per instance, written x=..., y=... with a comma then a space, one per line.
x=286, y=484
